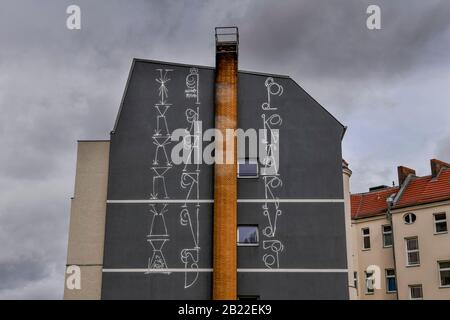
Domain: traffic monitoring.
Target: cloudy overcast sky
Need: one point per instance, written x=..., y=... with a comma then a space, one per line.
x=389, y=86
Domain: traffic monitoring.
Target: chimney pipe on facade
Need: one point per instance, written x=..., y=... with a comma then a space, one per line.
x=225, y=174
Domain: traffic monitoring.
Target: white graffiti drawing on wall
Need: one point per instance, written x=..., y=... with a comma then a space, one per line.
x=271, y=210
x=191, y=142
x=191, y=256
x=192, y=85
x=162, y=129
x=189, y=215
x=159, y=183
x=273, y=89
x=272, y=246
x=271, y=260
x=158, y=235
x=270, y=141
x=163, y=91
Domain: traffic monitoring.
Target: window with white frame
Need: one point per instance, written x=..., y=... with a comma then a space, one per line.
x=412, y=251
x=415, y=292
x=387, y=236
x=444, y=273
x=369, y=282
x=440, y=222
x=409, y=218
x=391, y=283
x=365, y=238
x=247, y=235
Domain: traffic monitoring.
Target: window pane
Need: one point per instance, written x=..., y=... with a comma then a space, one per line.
x=413, y=258
x=444, y=265
x=439, y=216
x=387, y=229
x=416, y=292
x=409, y=218
x=441, y=226
x=247, y=168
x=412, y=244
x=445, y=278
x=387, y=239
x=390, y=272
x=365, y=231
x=366, y=242
x=247, y=234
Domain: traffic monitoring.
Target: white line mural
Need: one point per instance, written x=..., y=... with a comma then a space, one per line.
x=158, y=235
x=271, y=260
x=273, y=89
x=163, y=92
x=159, y=183
x=271, y=177
x=189, y=215
x=192, y=85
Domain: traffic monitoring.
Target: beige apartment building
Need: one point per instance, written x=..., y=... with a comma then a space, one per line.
x=398, y=241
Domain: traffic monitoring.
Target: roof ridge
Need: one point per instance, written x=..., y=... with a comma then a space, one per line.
x=375, y=191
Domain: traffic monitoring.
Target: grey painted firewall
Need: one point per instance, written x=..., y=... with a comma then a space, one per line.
x=149, y=224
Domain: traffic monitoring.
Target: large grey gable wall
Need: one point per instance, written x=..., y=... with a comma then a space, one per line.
x=312, y=234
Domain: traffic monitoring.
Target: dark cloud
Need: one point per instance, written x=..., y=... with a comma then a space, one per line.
x=28, y=270
x=57, y=86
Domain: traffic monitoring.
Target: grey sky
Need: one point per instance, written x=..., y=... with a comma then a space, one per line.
x=390, y=87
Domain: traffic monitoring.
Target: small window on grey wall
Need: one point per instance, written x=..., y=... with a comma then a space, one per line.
x=248, y=297
x=248, y=168
x=247, y=235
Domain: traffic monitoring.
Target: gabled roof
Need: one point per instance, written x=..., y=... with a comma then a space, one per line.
x=426, y=189
x=137, y=60
x=372, y=203
x=415, y=191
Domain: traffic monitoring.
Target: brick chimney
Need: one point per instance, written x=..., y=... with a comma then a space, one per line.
x=403, y=173
x=437, y=166
x=225, y=174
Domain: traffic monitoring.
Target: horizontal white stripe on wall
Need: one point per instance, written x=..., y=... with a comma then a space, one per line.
x=144, y=270
x=289, y=200
x=239, y=201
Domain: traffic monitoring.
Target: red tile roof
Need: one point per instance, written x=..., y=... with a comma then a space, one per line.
x=420, y=190
x=371, y=203
x=427, y=189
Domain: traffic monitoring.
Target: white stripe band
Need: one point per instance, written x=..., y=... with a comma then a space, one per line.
x=160, y=201
x=144, y=270
x=288, y=200
x=294, y=270
x=239, y=201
